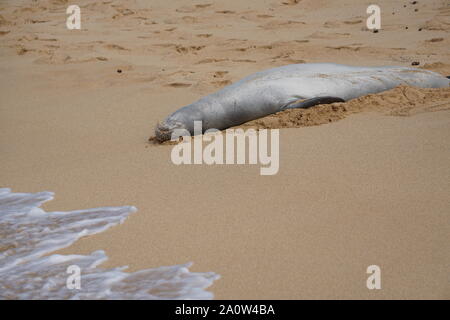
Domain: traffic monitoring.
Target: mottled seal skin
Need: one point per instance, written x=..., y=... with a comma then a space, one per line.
x=274, y=90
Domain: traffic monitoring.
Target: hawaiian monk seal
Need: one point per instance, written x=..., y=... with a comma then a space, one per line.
x=291, y=86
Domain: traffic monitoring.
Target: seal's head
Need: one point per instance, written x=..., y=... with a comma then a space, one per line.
x=182, y=120
x=164, y=130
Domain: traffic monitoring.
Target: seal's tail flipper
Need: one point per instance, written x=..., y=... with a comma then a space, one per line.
x=308, y=103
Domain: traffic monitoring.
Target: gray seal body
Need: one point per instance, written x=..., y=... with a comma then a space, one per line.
x=291, y=86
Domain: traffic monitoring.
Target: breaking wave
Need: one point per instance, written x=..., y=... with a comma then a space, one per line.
x=27, y=271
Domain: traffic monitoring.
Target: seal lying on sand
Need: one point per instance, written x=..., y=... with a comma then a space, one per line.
x=291, y=86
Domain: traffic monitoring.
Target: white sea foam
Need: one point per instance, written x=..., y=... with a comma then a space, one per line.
x=27, y=271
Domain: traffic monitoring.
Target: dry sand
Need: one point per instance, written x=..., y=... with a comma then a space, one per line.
x=372, y=188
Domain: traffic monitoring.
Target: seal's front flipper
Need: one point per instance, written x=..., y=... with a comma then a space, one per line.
x=308, y=103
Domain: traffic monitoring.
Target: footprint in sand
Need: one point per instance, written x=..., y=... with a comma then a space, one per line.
x=114, y=47
x=351, y=48
x=435, y=40
x=283, y=55
x=268, y=47
x=332, y=24
x=210, y=60
x=219, y=74
x=49, y=39
x=3, y=21
x=178, y=85
x=21, y=50
x=265, y=47
x=125, y=11
x=225, y=11
x=28, y=37
x=188, y=49
x=35, y=21
x=122, y=12
x=324, y=35
x=54, y=58
x=293, y=61
x=440, y=23
x=191, y=9
x=336, y=24
x=264, y=16
x=290, y=2
x=281, y=24
x=244, y=60
x=353, y=21
x=202, y=6
x=189, y=19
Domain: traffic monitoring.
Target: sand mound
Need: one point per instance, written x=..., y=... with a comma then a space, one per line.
x=400, y=101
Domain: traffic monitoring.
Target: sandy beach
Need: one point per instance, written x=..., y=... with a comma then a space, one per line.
x=360, y=183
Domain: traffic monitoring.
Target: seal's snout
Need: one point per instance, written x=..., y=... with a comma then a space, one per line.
x=164, y=130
